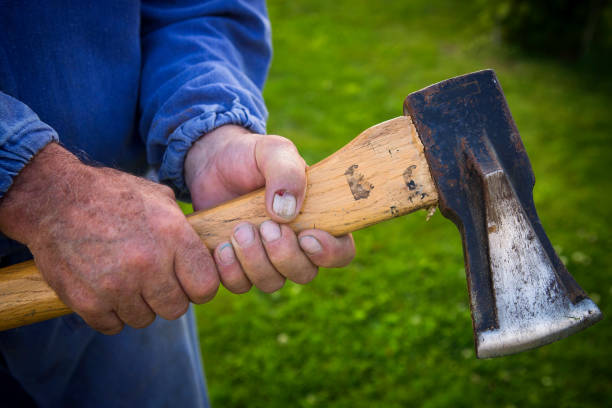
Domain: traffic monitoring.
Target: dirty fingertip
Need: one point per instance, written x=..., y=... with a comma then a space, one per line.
x=225, y=254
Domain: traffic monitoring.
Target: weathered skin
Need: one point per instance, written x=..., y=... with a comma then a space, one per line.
x=118, y=250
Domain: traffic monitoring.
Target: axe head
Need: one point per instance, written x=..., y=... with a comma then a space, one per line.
x=521, y=294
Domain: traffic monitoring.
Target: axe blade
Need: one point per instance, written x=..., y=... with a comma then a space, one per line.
x=521, y=294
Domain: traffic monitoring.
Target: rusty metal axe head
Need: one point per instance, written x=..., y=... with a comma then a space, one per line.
x=521, y=294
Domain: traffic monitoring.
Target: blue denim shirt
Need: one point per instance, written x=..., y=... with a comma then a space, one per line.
x=125, y=83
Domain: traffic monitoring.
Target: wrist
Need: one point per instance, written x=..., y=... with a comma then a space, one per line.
x=204, y=149
x=44, y=184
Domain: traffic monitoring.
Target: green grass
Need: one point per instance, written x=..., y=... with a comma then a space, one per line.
x=394, y=329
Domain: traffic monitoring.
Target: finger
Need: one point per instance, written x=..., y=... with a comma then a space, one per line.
x=195, y=268
x=165, y=296
x=135, y=312
x=95, y=312
x=230, y=272
x=106, y=323
x=325, y=250
x=253, y=259
x=124, y=294
x=285, y=173
x=285, y=254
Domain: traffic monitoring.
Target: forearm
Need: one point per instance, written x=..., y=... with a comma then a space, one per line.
x=204, y=63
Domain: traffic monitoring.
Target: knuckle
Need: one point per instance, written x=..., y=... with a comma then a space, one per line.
x=105, y=323
x=169, y=223
x=195, y=248
x=237, y=285
x=206, y=290
x=135, y=314
x=336, y=262
x=139, y=259
x=176, y=311
x=143, y=322
x=240, y=287
x=348, y=255
x=162, y=291
x=164, y=189
x=279, y=140
x=271, y=285
x=331, y=262
x=211, y=286
x=306, y=275
x=281, y=258
x=282, y=143
x=283, y=249
x=199, y=276
x=235, y=281
x=110, y=283
x=283, y=252
x=86, y=305
x=109, y=330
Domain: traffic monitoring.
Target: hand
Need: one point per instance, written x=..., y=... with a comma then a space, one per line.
x=114, y=247
x=229, y=162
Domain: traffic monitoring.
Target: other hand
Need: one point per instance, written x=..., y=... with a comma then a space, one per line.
x=229, y=162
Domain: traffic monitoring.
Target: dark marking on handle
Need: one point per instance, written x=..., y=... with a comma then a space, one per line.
x=360, y=187
x=407, y=174
x=394, y=211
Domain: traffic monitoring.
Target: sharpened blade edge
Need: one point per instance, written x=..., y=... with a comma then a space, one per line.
x=498, y=343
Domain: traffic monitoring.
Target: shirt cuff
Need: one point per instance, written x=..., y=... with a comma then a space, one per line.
x=17, y=151
x=171, y=170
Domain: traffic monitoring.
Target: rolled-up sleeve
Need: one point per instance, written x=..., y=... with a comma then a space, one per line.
x=22, y=135
x=204, y=65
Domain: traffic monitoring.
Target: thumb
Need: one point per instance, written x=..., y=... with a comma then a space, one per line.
x=285, y=173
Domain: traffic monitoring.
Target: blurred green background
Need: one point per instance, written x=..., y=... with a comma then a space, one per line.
x=394, y=329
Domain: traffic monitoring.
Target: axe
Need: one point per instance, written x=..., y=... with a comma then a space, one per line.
x=456, y=147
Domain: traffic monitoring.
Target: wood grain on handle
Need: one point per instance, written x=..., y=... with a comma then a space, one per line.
x=379, y=175
x=25, y=297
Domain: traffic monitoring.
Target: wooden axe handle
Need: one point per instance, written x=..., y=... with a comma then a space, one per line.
x=379, y=175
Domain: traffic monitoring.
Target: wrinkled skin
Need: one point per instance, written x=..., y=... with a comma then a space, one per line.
x=118, y=250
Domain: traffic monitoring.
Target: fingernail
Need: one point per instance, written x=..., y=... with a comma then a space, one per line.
x=226, y=254
x=310, y=244
x=270, y=231
x=244, y=235
x=284, y=204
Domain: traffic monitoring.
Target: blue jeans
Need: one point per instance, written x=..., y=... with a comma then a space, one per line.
x=64, y=363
